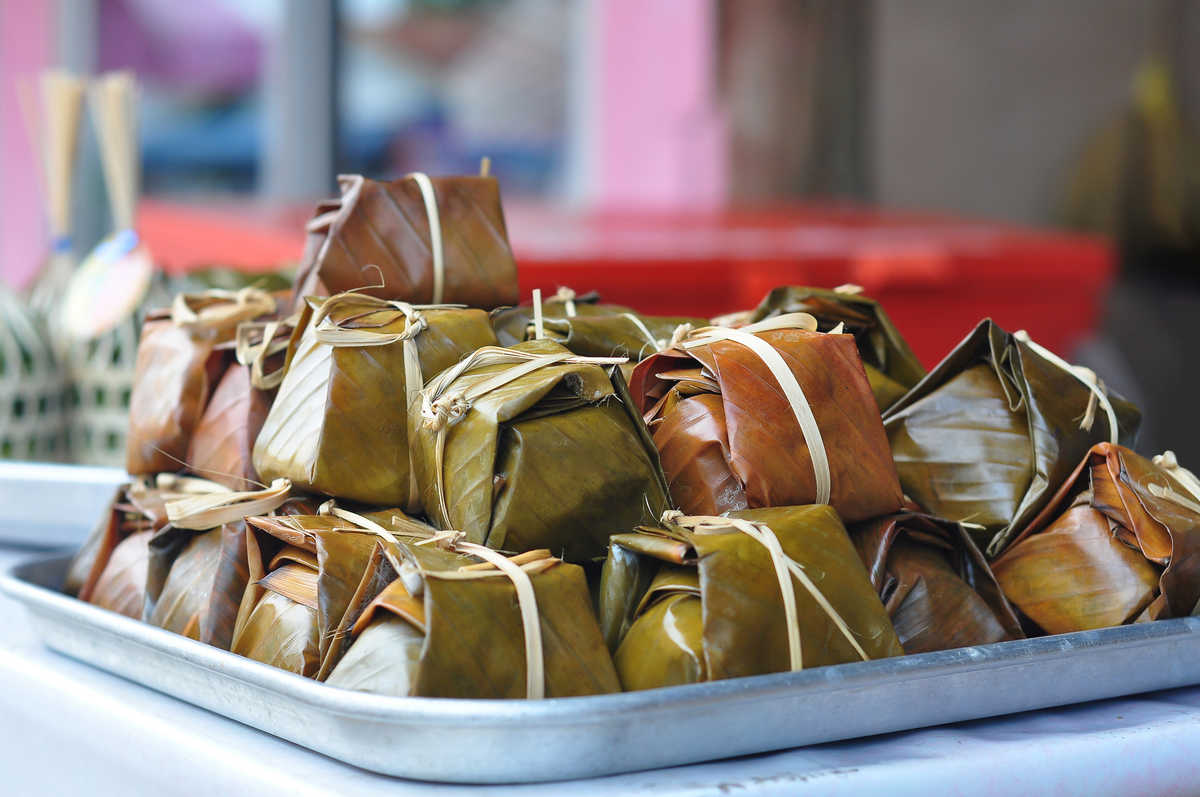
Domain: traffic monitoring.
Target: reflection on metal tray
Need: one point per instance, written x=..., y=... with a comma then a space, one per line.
x=50, y=505
x=510, y=741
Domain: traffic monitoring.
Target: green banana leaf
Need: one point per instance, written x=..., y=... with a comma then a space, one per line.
x=324, y=568
x=511, y=324
x=423, y=634
x=555, y=459
x=934, y=582
x=729, y=438
x=619, y=335
x=679, y=606
x=378, y=233
x=338, y=425
x=1119, y=543
x=892, y=368
x=992, y=431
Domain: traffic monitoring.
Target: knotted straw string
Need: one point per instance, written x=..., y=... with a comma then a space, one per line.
x=792, y=391
x=1089, y=379
x=333, y=333
x=567, y=297
x=255, y=354
x=216, y=309
x=435, y=233
x=1186, y=479
x=209, y=510
x=441, y=407
x=535, y=677
x=785, y=569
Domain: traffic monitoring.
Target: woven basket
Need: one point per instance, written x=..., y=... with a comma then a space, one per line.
x=32, y=387
x=100, y=374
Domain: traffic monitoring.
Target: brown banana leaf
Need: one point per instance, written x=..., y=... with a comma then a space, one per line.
x=934, y=582
x=223, y=440
x=429, y=644
x=729, y=439
x=555, y=459
x=299, y=619
x=380, y=232
x=992, y=431
x=1118, y=543
x=121, y=585
x=338, y=424
x=197, y=579
x=679, y=606
x=511, y=324
x=892, y=368
x=136, y=507
x=173, y=377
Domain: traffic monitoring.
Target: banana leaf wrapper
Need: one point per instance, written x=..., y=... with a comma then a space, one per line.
x=620, y=335
x=1118, y=543
x=892, y=368
x=511, y=324
x=110, y=568
x=993, y=430
x=729, y=439
x=196, y=579
x=934, y=582
x=423, y=634
x=305, y=573
x=555, y=459
x=379, y=232
x=339, y=425
x=182, y=353
x=222, y=444
x=173, y=377
x=683, y=607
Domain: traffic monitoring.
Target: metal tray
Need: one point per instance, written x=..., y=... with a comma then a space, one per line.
x=512, y=741
x=28, y=488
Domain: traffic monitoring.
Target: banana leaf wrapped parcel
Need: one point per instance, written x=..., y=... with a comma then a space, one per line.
x=426, y=240
x=935, y=583
x=534, y=447
x=110, y=568
x=511, y=324
x=179, y=359
x=197, y=571
x=302, y=596
x=759, y=591
x=427, y=632
x=892, y=368
x=772, y=414
x=993, y=430
x=1118, y=543
x=339, y=423
x=222, y=443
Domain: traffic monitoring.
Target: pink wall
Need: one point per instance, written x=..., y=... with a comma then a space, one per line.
x=25, y=48
x=661, y=138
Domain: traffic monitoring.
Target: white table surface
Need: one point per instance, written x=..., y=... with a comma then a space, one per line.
x=66, y=728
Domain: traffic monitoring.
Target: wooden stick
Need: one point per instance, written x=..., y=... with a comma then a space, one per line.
x=113, y=98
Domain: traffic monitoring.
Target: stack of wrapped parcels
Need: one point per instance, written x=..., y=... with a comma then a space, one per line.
x=395, y=479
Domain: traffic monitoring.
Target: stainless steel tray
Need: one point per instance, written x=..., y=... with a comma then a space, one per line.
x=508, y=741
x=48, y=505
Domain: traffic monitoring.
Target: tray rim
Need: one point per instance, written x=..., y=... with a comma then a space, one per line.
x=345, y=701
x=591, y=721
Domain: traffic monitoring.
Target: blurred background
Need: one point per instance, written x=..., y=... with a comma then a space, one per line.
x=1032, y=161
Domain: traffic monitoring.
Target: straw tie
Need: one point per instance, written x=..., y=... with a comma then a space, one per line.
x=1089, y=379
x=786, y=569
x=748, y=336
